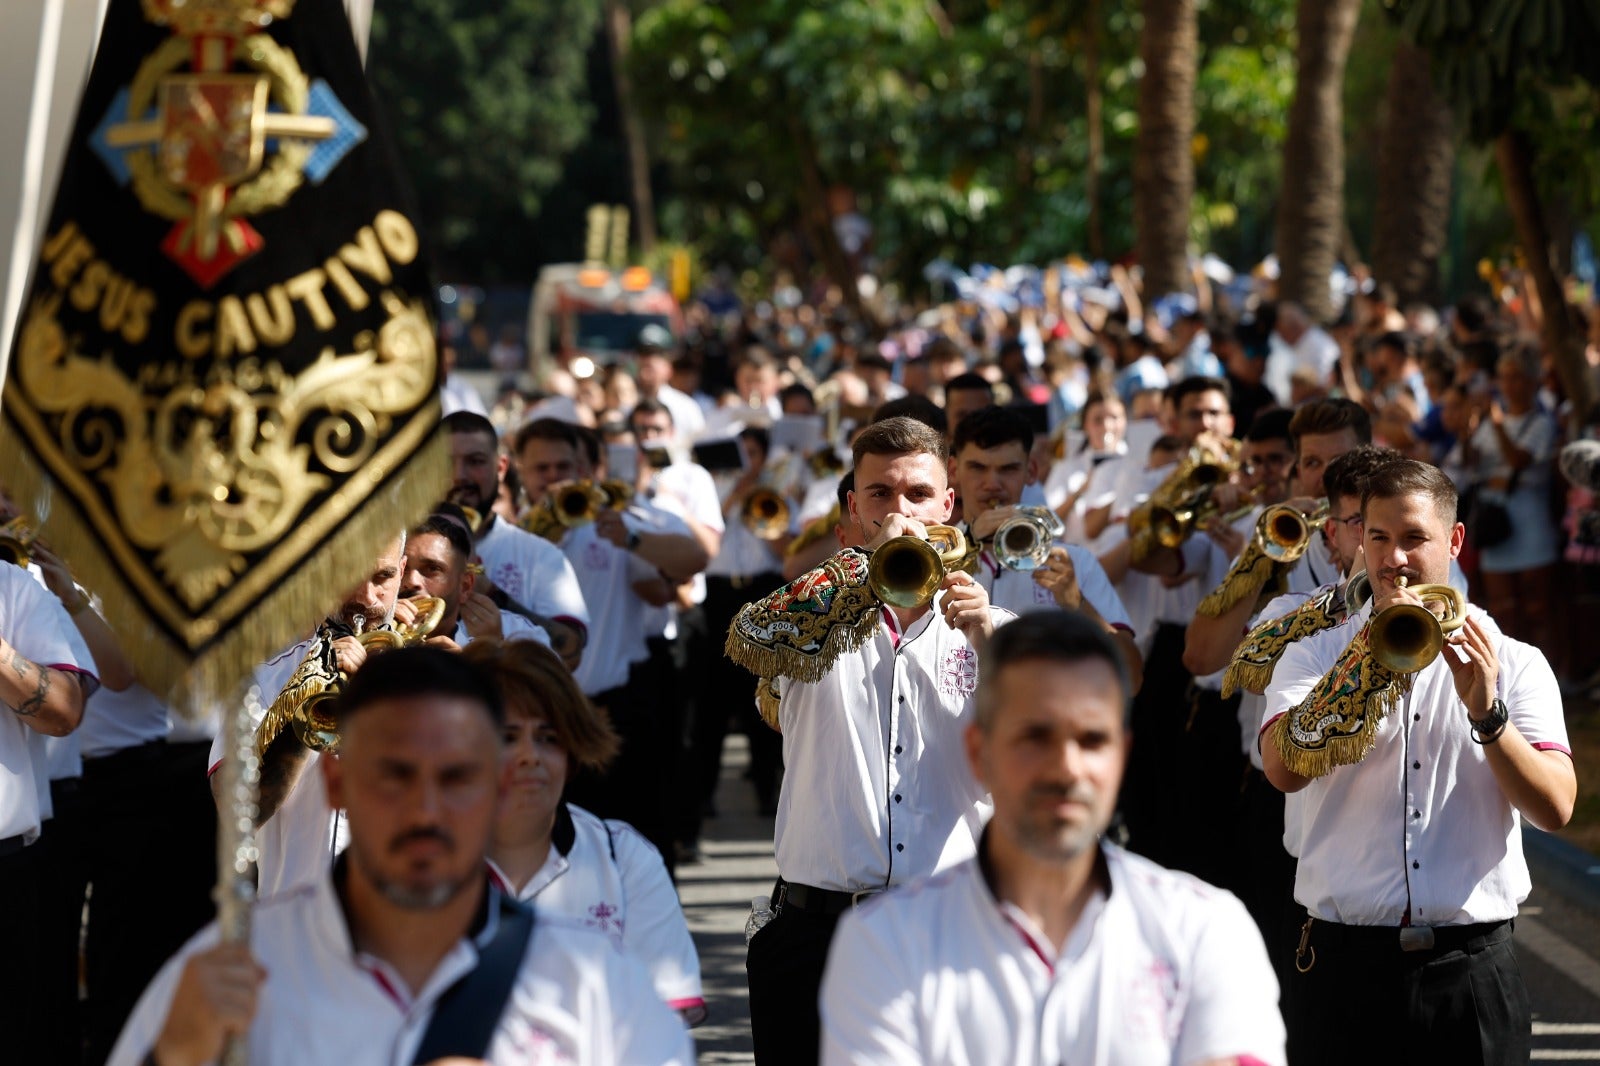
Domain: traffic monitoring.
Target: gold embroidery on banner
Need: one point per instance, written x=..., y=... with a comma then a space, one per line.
x=208, y=473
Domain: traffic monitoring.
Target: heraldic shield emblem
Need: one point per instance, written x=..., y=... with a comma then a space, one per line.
x=222, y=398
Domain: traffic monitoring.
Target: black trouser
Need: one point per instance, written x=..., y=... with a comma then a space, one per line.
x=1363, y=999
x=1150, y=797
x=1211, y=768
x=61, y=854
x=728, y=690
x=22, y=1020
x=634, y=788
x=784, y=963
x=1267, y=889
x=152, y=861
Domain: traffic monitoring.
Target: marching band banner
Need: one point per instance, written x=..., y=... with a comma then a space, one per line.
x=222, y=398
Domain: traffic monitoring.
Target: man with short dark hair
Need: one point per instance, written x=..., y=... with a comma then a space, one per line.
x=870, y=699
x=438, y=562
x=1052, y=944
x=1412, y=785
x=357, y=966
x=530, y=570
x=964, y=394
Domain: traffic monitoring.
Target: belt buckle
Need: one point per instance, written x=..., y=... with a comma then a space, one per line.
x=1416, y=938
x=865, y=894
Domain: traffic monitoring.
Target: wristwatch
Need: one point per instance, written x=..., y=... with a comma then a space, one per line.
x=1488, y=731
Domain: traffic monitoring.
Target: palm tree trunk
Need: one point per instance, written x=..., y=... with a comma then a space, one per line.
x=1163, y=169
x=1416, y=157
x=1513, y=153
x=1311, y=204
x=1093, y=104
x=619, y=35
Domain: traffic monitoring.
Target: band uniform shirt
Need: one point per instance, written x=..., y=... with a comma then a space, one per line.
x=876, y=789
x=684, y=490
x=617, y=616
x=1420, y=825
x=1018, y=592
x=742, y=553
x=533, y=572
x=116, y=721
x=1164, y=969
x=577, y=998
x=602, y=874
x=41, y=631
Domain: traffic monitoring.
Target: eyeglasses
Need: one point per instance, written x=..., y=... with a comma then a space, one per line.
x=1352, y=521
x=1277, y=462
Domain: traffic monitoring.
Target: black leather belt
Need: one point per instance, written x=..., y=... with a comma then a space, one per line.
x=1434, y=938
x=823, y=901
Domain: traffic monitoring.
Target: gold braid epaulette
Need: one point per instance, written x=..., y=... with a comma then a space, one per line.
x=1337, y=724
x=1246, y=578
x=1262, y=647
x=802, y=629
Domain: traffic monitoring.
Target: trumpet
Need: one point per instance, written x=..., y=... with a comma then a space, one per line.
x=16, y=542
x=765, y=513
x=824, y=461
x=906, y=571
x=1182, y=502
x=306, y=702
x=1407, y=637
x=1284, y=532
x=1357, y=591
x=1023, y=542
x=579, y=502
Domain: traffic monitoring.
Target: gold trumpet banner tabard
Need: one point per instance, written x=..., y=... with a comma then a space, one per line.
x=222, y=397
x=1258, y=654
x=1337, y=723
x=800, y=630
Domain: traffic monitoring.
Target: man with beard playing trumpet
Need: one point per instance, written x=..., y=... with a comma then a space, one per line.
x=1412, y=788
x=297, y=834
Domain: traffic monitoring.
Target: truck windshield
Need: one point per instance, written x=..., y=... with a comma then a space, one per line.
x=608, y=331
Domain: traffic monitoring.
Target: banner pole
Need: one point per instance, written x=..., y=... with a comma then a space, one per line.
x=239, y=780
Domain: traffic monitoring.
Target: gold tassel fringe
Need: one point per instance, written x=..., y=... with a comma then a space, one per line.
x=1247, y=577
x=193, y=685
x=774, y=660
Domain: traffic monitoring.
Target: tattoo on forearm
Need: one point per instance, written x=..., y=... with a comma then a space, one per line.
x=41, y=691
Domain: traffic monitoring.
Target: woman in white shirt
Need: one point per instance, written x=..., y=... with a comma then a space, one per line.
x=1081, y=481
x=572, y=866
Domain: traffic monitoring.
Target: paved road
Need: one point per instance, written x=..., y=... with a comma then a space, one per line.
x=1558, y=940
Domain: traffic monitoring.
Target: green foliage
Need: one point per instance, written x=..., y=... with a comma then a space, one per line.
x=960, y=128
x=486, y=99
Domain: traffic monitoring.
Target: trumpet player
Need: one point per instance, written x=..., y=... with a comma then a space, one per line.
x=438, y=563
x=297, y=834
x=1411, y=865
x=988, y=469
x=625, y=563
x=875, y=790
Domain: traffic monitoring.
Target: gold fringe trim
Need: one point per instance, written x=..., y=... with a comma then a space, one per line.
x=776, y=660
x=194, y=681
x=1248, y=576
x=1345, y=710
x=1251, y=677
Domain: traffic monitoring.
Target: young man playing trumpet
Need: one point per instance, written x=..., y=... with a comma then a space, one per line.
x=872, y=701
x=988, y=469
x=1412, y=785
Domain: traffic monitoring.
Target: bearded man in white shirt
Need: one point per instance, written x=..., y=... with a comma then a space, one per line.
x=875, y=791
x=1052, y=945
x=1411, y=790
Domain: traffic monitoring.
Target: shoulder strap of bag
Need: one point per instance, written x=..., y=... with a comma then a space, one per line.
x=467, y=1014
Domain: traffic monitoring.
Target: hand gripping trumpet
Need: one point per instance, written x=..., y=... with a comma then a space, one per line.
x=306, y=702
x=907, y=571
x=1406, y=637
x=1023, y=542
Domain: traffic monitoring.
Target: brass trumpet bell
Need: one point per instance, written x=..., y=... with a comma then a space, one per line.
x=906, y=572
x=1405, y=638
x=1357, y=591
x=1023, y=542
x=765, y=513
x=578, y=503
x=16, y=542
x=1284, y=532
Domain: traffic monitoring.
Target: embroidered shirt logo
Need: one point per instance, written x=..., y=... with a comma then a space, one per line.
x=603, y=916
x=959, y=674
x=508, y=576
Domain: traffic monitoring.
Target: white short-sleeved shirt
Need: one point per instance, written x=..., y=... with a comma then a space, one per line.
x=821, y=496
x=683, y=490
x=602, y=874
x=876, y=789
x=618, y=620
x=113, y=721
x=1165, y=969
x=577, y=997
x=1019, y=593
x=533, y=572
x=1420, y=824
x=39, y=628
